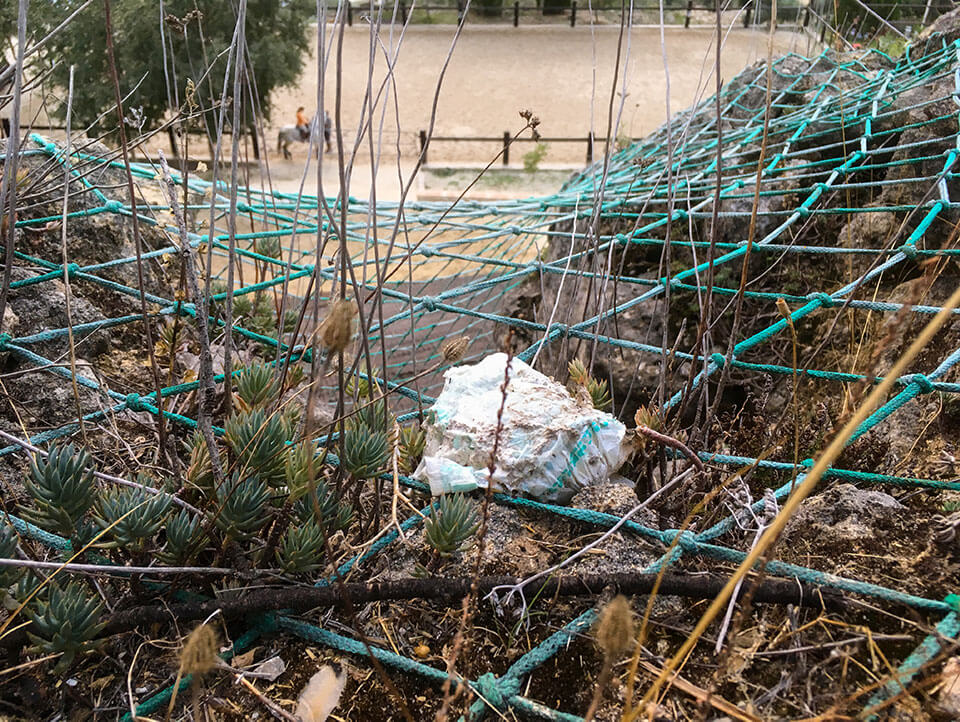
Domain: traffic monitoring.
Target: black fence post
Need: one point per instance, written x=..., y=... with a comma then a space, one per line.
x=506, y=147
x=747, y=9
x=573, y=14
x=590, y=147
x=516, y=14
x=350, y=14
x=255, y=143
x=686, y=20
x=423, y=146
x=173, y=141
x=403, y=13
x=806, y=16
x=460, y=5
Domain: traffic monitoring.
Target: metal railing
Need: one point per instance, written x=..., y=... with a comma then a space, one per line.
x=507, y=141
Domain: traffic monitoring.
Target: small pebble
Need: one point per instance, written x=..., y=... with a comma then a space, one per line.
x=422, y=651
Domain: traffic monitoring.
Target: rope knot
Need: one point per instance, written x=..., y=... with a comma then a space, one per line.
x=926, y=386
x=824, y=299
x=134, y=402
x=113, y=206
x=621, y=238
x=429, y=303
x=686, y=540
x=4, y=340
x=718, y=359
x=497, y=691
x=803, y=212
x=909, y=250
x=427, y=250
x=558, y=329
x=72, y=269
x=516, y=230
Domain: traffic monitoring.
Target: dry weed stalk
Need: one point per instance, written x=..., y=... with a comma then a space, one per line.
x=197, y=658
x=614, y=635
x=460, y=641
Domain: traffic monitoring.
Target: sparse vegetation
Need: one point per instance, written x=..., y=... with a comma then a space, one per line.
x=533, y=158
x=756, y=308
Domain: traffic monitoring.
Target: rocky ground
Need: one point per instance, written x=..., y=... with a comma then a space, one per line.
x=780, y=661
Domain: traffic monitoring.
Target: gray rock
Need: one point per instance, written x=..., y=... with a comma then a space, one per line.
x=843, y=513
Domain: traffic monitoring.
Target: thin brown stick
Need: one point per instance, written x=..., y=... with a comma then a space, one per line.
x=8, y=183
x=673, y=443
x=138, y=246
x=207, y=390
x=68, y=305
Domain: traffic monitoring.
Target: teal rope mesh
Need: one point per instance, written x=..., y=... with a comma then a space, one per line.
x=453, y=267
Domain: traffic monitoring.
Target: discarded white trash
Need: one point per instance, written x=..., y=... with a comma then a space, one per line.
x=551, y=445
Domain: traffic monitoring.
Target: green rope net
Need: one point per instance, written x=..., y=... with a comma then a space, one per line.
x=840, y=127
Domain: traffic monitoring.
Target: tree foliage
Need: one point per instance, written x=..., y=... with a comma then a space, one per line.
x=195, y=34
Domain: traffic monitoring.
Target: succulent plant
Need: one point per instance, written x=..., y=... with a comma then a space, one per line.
x=333, y=513
x=366, y=449
x=258, y=443
x=132, y=516
x=26, y=586
x=257, y=386
x=269, y=247
x=295, y=375
x=184, y=538
x=648, y=417
x=263, y=318
x=242, y=306
x=218, y=286
x=200, y=469
x=242, y=506
x=375, y=415
x=301, y=549
x=363, y=387
x=62, y=488
x=65, y=621
x=290, y=319
x=8, y=550
x=86, y=532
x=452, y=521
x=412, y=443
x=290, y=416
x=169, y=340
x=302, y=467
x=598, y=390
